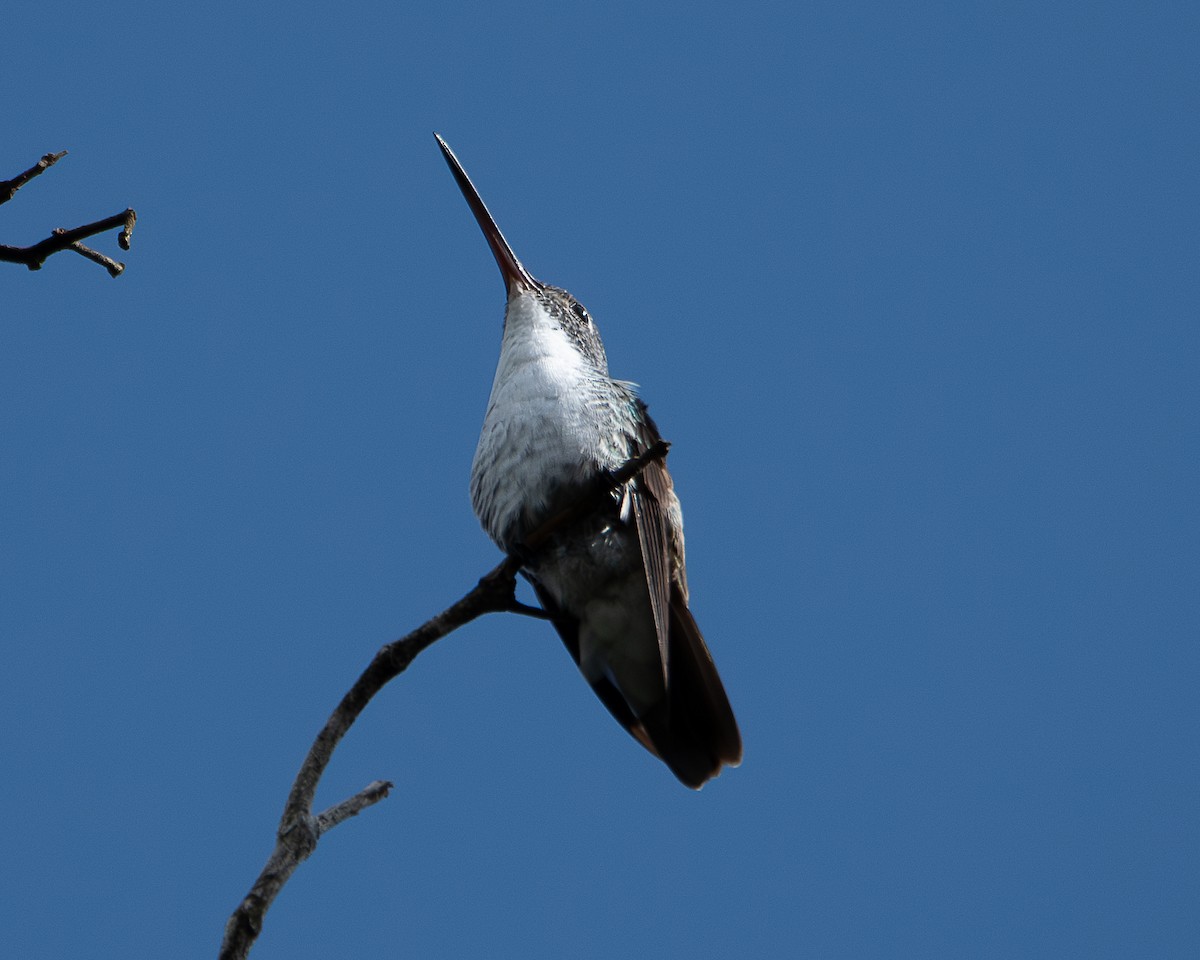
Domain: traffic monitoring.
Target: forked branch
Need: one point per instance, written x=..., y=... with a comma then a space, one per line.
x=62, y=239
x=299, y=829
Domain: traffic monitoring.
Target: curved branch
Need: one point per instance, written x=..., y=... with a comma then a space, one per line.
x=299, y=829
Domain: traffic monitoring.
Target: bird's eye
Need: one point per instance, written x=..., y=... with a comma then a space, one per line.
x=577, y=309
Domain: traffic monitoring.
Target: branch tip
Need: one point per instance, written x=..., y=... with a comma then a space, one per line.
x=125, y=238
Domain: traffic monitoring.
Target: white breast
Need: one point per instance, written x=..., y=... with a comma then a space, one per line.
x=552, y=419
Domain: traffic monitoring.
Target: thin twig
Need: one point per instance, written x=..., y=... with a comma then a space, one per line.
x=114, y=267
x=61, y=239
x=299, y=830
x=370, y=795
x=9, y=188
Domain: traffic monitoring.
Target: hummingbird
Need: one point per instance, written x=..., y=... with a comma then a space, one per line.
x=613, y=583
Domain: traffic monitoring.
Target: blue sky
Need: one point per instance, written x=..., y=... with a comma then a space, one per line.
x=913, y=292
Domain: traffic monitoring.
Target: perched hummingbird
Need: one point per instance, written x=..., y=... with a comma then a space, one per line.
x=613, y=583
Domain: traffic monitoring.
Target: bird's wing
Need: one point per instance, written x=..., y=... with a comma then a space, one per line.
x=693, y=729
x=651, y=492
x=695, y=732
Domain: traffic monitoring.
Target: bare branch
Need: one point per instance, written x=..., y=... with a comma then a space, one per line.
x=368, y=796
x=299, y=830
x=34, y=256
x=61, y=239
x=113, y=267
x=9, y=188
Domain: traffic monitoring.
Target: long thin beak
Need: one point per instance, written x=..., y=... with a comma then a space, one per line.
x=515, y=275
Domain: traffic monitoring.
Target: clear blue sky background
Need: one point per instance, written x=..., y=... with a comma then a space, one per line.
x=912, y=289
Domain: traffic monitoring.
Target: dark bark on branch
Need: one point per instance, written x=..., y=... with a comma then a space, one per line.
x=9, y=188
x=299, y=829
x=62, y=239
